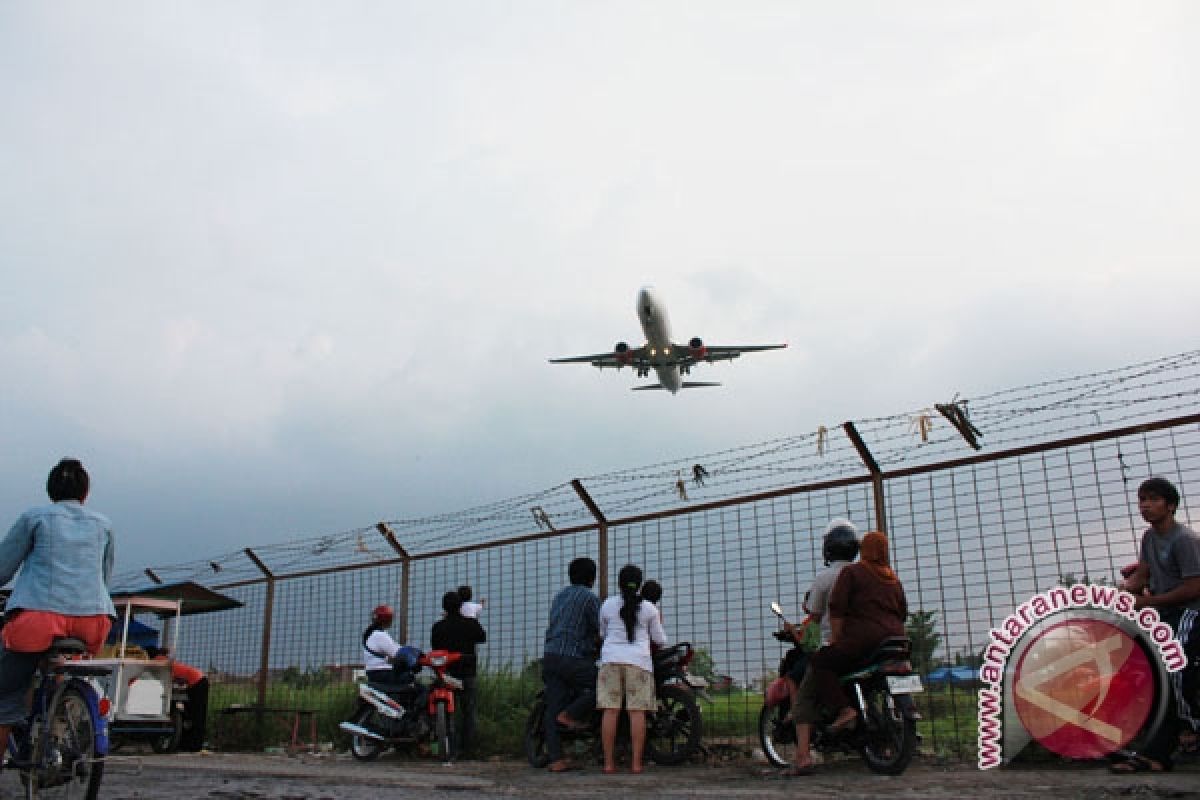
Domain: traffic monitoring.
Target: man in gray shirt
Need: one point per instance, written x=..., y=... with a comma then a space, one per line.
x=1169, y=567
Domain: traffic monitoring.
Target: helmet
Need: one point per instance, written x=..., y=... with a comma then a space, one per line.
x=841, y=541
x=382, y=615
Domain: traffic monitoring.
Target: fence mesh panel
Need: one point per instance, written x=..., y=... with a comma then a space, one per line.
x=986, y=502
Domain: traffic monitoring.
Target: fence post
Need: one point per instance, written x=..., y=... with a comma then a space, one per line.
x=268, y=614
x=876, y=474
x=405, y=568
x=601, y=534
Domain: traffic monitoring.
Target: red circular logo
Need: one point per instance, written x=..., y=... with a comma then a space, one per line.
x=1083, y=688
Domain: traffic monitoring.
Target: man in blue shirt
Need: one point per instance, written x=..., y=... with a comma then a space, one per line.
x=569, y=658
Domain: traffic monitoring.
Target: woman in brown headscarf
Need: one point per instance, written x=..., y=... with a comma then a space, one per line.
x=866, y=606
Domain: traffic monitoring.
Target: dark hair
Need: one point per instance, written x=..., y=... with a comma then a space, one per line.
x=67, y=481
x=1160, y=487
x=464, y=592
x=630, y=578
x=451, y=602
x=652, y=591
x=582, y=572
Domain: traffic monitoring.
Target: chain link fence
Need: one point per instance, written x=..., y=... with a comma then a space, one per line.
x=986, y=501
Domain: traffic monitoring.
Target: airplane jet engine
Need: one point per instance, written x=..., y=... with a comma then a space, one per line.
x=621, y=351
x=696, y=348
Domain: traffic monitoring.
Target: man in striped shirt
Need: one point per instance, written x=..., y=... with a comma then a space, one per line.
x=569, y=659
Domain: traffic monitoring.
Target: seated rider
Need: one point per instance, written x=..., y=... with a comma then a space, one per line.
x=62, y=557
x=386, y=661
x=867, y=606
x=839, y=547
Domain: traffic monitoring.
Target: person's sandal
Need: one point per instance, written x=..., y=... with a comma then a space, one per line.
x=799, y=772
x=1136, y=763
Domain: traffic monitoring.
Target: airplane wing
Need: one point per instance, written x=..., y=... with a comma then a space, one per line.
x=630, y=357
x=710, y=353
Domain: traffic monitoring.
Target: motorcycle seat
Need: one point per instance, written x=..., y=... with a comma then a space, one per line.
x=893, y=648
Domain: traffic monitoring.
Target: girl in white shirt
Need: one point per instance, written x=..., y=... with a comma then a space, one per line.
x=628, y=624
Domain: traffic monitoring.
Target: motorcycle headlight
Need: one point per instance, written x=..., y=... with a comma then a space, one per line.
x=438, y=661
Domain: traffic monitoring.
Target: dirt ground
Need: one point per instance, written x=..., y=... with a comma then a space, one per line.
x=311, y=777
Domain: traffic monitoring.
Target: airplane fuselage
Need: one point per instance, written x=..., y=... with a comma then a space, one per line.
x=657, y=329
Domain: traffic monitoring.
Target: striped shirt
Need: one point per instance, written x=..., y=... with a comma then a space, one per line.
x=574, y=623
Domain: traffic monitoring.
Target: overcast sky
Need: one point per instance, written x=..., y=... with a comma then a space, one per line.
x=274, y=270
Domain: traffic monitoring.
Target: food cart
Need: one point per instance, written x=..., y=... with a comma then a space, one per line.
x=144, y=704
x=145, y=683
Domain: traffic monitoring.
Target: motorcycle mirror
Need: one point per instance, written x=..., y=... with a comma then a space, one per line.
x=778, y=609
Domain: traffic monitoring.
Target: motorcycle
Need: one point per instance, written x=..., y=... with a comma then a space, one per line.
x=673, y=731
x=885, y=733
x=398, y=715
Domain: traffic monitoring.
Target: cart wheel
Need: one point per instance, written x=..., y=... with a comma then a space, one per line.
x=169, y=742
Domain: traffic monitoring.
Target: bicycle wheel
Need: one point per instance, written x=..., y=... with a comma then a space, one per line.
x=64, y=749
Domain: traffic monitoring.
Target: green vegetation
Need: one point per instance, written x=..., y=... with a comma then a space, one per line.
x=922, y=630
x=950, y=724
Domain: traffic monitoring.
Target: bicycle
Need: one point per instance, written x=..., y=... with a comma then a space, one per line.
x=60, y=751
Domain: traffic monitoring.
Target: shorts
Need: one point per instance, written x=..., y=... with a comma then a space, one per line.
x=28, y=634
x=34, y=631
x=625, y=684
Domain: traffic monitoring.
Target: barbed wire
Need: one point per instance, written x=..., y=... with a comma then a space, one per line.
x=1007, y=418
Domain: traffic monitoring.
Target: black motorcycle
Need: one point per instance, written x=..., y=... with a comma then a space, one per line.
x=673, y=731
x=885, y=733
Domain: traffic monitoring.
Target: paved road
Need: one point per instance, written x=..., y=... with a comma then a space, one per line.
x=337, y=777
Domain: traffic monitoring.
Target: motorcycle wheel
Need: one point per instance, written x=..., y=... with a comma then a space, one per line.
x=361, y=747
x=444, y=729
x=778, y=738
x=535, y=736
x=889, y=737
x=169, y=742
x=673, y=733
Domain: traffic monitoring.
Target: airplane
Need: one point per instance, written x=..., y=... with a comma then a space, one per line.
x=671, y=362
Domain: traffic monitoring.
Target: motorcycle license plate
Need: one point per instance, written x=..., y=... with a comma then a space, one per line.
x=904, y=684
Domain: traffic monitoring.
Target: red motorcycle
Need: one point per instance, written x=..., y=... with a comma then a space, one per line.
x=399, y=715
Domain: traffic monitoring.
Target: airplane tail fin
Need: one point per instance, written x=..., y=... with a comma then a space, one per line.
x=686, y=385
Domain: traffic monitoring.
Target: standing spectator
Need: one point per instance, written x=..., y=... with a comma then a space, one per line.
x=470, y=609
x=195, y=719
x=65, y=553
x=628, y=625
x=1169, y=568
x=460, y=634
x=569, y=658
